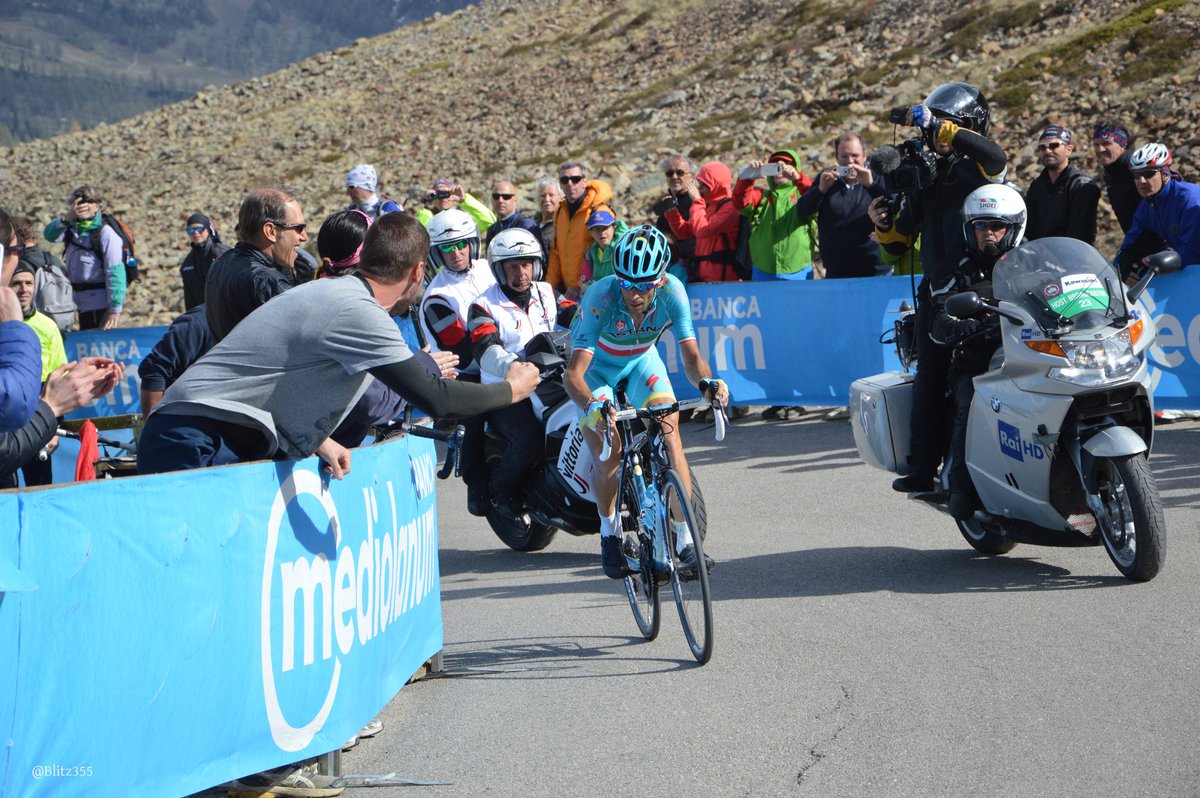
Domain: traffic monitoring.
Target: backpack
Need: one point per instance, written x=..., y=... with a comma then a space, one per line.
x=53, y=294
x=128, y=256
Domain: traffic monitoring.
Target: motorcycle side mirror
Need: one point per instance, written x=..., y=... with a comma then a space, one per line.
x=964, y=305
x=1164, y=262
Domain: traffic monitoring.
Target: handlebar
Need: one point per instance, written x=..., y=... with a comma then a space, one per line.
x=452, y=438
x=719, y=418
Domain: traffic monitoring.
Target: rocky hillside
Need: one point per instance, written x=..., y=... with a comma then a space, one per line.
x=510, y=88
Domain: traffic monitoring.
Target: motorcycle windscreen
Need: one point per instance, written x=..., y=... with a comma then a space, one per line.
x=1063, y=283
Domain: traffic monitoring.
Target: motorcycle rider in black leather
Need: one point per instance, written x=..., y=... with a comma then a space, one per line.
x=994, y=219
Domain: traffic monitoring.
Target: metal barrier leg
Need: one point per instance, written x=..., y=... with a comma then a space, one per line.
x=435, y=663
x=330, y=764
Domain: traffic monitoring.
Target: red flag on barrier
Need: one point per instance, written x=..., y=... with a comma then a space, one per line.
x=89, y=452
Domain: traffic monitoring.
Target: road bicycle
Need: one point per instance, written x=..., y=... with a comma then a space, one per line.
x=657, y=520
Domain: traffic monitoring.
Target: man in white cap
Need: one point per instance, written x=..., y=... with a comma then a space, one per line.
x=361, y=182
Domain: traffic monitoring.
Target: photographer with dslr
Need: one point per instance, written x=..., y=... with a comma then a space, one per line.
x=950, y=158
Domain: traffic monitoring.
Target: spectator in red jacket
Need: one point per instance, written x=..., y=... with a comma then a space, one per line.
x=713, y=223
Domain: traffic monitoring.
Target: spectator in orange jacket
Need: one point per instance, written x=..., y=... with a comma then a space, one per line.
x=571, y=238
x=713, y=223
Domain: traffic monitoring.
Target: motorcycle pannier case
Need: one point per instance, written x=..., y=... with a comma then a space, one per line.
x=880, y=408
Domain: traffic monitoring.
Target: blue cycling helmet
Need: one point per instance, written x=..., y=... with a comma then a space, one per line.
x=641, y=254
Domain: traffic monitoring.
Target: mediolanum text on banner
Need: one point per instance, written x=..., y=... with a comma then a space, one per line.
x=169, y=633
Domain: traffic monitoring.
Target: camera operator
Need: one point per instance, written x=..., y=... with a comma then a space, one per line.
x=951, y=158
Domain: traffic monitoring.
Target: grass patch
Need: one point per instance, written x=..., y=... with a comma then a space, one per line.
x=969, y=27
x=638, y=21
x=834, y=117
x=517, y=49
x=1011, y=84
x=1157, y=55
x=604, y=22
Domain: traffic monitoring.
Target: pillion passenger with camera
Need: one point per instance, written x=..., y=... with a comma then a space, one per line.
x=949, y=158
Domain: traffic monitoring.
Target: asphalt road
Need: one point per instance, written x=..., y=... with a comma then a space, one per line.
x=862, y=649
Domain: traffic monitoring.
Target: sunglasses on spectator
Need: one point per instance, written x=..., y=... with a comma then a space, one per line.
x=675, y=173
x=1145, y=174
x=17, y=249
x=86, y=201
x=995, y=227
x=1049, y=145
x=299, y=228
x=641, y=288
x=196, y=228
x=499, y=196
x=454, y=246
x=564, y=179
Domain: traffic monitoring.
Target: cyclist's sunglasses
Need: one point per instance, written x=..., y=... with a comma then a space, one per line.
x=641, y=288
x=454, y=246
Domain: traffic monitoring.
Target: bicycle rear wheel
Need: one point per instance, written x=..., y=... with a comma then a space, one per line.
x=640, y=587
x=691, y=589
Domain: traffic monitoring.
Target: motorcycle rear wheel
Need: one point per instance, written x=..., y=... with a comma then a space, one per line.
x=520, y=534
x=985, y=537
x=1131, y=526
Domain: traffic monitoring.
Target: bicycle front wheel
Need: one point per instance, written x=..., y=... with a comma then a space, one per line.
x=641, y=587
x=690, y=585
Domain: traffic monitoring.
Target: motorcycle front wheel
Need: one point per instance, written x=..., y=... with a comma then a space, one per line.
x=1131, y=521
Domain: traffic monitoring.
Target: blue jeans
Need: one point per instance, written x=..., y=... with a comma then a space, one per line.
x=177, y=443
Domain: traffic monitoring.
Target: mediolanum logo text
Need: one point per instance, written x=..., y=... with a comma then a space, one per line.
x=310, y=603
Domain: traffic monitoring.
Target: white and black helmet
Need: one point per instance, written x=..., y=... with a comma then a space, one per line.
x=995, y=203
x=514, y=244
x=448, y=227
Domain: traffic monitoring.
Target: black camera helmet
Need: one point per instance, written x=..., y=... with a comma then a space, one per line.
x=962, y=104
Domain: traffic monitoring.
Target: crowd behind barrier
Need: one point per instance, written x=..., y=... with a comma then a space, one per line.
x=162, y=651
x=786, y=343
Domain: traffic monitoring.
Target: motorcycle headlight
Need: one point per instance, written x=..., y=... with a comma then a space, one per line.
x=1098, y=362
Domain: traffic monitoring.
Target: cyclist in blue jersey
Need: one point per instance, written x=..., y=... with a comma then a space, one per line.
x=619, y=321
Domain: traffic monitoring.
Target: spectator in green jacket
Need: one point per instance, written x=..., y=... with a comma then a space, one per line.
x=447, y=194
x=782, y=244
x=604, y=228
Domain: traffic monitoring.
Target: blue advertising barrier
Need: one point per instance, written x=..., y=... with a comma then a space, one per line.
x=168, y=633
x=803, y=343
x=783, y=343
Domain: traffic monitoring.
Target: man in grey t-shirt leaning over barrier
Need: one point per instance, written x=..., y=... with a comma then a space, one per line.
x=281, y=381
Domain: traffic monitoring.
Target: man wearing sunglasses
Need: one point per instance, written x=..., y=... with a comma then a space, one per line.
x=994, y=220
x=581, y=196
x=1170, y=209
x=619, y=321
x=462, y=277
x=504, y=203
x=448, y=195
x=205, y=247
x=1062, y=200
x=262, y=265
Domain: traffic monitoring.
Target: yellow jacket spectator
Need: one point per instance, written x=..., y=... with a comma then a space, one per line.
x=23, y=282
